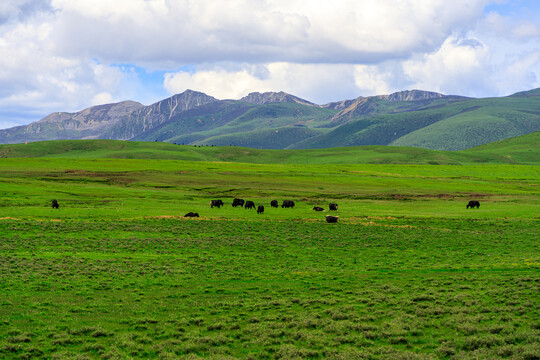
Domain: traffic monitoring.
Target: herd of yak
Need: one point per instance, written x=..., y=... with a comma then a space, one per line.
x=274, y=203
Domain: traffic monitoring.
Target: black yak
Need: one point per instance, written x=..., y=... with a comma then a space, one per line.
x=55, y=204
x=287, y=204
x=260, y=209
x=238, y=202
x=274, y=203
x=473, y=204
x=318, y=208
x=250, y=205
x=331, y=219
x=191, y=214
x=217, y=203
x=333, y=207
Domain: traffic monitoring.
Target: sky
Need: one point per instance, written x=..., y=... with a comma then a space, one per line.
x=67, y=55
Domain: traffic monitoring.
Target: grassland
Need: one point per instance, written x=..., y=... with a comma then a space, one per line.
x=407, y=273
x=522, y=150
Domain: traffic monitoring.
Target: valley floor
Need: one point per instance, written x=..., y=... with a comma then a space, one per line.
x=407, y=273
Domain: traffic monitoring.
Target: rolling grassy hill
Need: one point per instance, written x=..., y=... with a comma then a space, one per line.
x=519, y=150
x=522, y=149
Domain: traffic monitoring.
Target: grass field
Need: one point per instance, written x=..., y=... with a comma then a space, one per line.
x=522, y=150
x=407, y=273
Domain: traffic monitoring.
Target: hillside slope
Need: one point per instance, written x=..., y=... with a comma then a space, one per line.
x=491, y=120
x=231, y=122
x=520, y=150
x=454, y=126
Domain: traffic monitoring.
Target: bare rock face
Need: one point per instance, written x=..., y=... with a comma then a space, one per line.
x=121, y=121
x=340, y=105
x=93, y=117
x=411, y=95
x=189, y=99
x=371, y=105
x=273, y=97
x=89, y=123
x=148, y=117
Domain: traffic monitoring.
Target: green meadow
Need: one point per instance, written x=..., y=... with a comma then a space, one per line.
x=408, y=272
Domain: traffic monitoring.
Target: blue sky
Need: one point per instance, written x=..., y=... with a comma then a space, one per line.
x=65, y=55
x=520, y=9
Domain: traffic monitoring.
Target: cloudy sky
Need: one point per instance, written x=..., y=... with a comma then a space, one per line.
x=66, y=55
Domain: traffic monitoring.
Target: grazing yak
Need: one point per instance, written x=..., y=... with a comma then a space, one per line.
x=191, y=214
x=238, y=202
x=260, y=209
x=217, y=203
x=473, y=204
x=331, y=219
x=55, y=204
x=333, y=207
x=250, y=205
x=287, y=204
x=274, y=203
x=318, y=208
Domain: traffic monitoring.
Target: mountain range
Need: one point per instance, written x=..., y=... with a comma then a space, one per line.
x=277, y=120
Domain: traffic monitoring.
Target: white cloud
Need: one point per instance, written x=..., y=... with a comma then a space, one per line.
x=518, y=74
x=35, y=81
x=309, y=81
x=384, y=78
x=506, y=27
x=460, y=66
x=13, y=10
x=102, y=98
x=30, y=73
x=163, y=31
x=514, y=45
x=64, y=55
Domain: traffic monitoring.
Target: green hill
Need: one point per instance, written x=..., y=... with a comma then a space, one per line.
x=275, y=138
x=454, y=126
x=491, y=120
x=519, y=150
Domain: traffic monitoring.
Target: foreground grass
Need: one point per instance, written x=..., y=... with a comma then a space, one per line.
x=408, y=272
x=167, y=288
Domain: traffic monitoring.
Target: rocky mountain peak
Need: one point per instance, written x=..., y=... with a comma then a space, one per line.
x=105, y=113
x=411, y=95
x=343, y=104
x=258, y=98
x=187, y=100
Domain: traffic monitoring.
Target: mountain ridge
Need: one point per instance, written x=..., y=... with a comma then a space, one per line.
x=279, y=120
x=258, y=98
